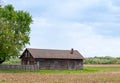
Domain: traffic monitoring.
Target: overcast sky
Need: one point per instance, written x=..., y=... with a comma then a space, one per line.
x=90, y=26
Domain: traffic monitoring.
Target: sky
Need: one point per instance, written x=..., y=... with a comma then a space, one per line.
x=90, y=26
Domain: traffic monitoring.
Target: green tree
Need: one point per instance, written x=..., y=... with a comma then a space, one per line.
x=14, y=31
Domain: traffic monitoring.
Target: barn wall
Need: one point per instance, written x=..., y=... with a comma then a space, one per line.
x=59, y=64
x=27, y=60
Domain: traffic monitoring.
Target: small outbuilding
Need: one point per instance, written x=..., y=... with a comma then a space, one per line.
x=52, y=59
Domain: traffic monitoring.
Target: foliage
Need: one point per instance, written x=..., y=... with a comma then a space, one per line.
x=14, y=31
x=12, y=61
x=102, y=60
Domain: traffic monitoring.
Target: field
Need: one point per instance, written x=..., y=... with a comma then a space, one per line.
x=90, y=74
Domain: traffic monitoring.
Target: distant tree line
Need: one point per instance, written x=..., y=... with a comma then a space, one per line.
x=102, y=60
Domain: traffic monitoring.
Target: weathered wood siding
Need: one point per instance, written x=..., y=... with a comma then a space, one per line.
x=20, y=67
x=44, y=63
x=59, y=64
x=27, y=59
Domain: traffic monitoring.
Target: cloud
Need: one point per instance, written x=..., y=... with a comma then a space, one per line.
x=66, y=35
x=91, y=26
x=109, y=29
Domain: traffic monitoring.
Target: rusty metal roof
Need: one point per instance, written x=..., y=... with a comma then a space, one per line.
x=54, y=54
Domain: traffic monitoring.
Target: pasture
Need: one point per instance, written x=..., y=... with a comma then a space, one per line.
x=90, y=74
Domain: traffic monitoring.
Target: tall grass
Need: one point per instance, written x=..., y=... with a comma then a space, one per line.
x=90, y=74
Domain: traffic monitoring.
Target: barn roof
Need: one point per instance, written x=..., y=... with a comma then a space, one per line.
x=55, y=54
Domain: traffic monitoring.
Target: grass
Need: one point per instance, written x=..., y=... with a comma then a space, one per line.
x=87, y=69
x=12, y=71
x=90, y=74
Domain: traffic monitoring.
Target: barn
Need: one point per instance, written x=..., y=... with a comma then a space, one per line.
x=52, y=59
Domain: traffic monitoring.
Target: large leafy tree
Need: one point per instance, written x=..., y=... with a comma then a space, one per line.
x=14, y=31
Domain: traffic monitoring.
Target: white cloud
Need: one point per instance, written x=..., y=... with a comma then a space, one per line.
x=66, y=35
x=81, y=24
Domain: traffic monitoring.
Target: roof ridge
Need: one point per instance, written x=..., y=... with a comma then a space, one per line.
x=50, y=49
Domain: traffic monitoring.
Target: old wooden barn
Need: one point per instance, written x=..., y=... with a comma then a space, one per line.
x=52, y=59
